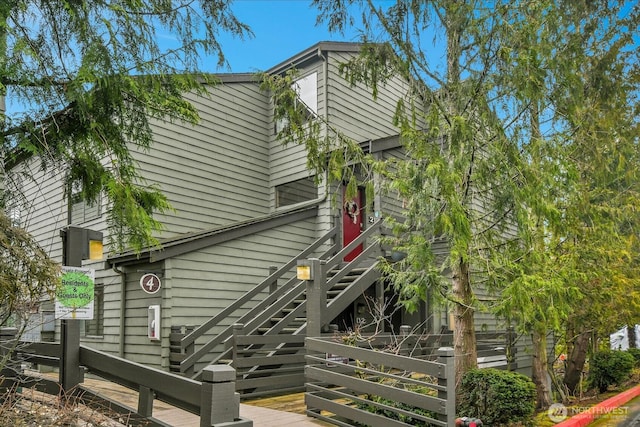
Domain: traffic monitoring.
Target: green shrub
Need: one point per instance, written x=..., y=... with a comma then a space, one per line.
x=609, y=367
x=393, y=415
x=497, y=397
x=635, y=352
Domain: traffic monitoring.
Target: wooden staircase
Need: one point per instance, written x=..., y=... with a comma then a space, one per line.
x=283, y=311
x=296, y=324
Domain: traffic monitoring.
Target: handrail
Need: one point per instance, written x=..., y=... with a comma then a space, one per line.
x=371, y=275
x=189, y=339
x=348, y=295
x=266, y=306
x=174, y=389
x=275, y=302
x=338, y=258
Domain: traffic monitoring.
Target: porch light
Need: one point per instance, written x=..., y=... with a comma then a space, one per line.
x=95, y=249
x=304, y=270
x=80, y=244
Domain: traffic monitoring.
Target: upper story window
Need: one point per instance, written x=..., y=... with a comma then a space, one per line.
x=302, y=190
x=307, y=90
x=81, y=210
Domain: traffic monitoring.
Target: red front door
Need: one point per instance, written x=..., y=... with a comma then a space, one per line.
x=352, y=217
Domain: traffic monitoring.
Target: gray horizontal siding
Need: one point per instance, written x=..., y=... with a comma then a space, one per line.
x=390, y=201
x=137, y=346
x=206, y=281
x=217, y=171
x=353, y=110
x=45, y=210
x=112, y=312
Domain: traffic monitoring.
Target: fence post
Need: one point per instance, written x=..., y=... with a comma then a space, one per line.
x=145, y=401
x=448, y=380
x=188, y=350
x=316, y=298
x=8, y=338
x=70, y=375
x=237, y=329
x=220, y=404
x=70, y=372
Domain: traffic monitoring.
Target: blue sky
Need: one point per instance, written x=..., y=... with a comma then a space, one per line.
x=282, y=28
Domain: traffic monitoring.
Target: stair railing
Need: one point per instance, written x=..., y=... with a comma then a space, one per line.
x=331, y=309
x=323, y=311
x=280, y=297
x=328, y=310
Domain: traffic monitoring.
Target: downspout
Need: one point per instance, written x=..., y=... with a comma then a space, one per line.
x=325, y=100
x=325, y=77
x=123, y=308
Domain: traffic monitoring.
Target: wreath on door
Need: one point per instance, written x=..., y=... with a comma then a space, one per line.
x=351, y=208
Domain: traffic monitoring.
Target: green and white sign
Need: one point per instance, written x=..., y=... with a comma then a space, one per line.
x=74, y=298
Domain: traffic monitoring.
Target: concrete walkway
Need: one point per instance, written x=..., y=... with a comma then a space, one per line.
x=261, y=417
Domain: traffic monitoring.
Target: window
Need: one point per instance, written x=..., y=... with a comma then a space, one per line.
x=15, y=216
x=95, y=327
x=294, y=192
x=307, y=90
x=81, y=210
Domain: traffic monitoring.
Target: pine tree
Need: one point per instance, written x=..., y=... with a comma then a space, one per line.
x=86, y=79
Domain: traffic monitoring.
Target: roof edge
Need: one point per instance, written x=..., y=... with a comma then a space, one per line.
x=192, y=241
x=312, y=52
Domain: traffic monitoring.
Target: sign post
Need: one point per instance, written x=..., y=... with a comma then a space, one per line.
x=76, y=246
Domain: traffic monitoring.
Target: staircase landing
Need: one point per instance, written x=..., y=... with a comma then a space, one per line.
x=293, y=403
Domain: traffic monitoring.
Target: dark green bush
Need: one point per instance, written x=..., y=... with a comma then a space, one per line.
x=609, y=368
x=393, y=415
x=497, y=397
x=635, y=352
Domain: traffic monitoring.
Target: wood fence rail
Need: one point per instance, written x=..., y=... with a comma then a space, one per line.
x=274, y=364
x=347, y=385
x=268, y=364
x=214, y=398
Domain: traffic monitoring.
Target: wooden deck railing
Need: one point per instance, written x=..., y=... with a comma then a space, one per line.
x=347, y=385
x=268, y=364
x=209, y=398
x=274, y=364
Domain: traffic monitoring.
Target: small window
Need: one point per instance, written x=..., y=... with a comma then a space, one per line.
x=82, y=210
x=95, y=326
x=15, y=216
x=294, y=192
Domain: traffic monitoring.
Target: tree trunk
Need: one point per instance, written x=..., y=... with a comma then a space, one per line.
x=539, y=369
x=464, y=335
x=575, y=361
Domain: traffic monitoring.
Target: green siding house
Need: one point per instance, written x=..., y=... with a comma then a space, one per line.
x=244, y=207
